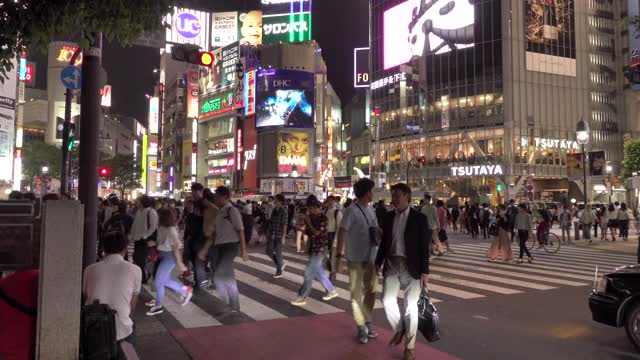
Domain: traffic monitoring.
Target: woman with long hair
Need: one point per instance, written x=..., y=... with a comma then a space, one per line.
x=611, y=221
x=501, y=245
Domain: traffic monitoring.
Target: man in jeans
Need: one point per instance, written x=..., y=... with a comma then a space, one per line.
x=334, y=217
x=229, y=239
x=359, y=233
x=114, y=282
x=279, y=221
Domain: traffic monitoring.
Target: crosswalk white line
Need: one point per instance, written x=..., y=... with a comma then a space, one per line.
x=476, y=285
x=503, y=280
x=595, y=250
x=453, y=292
x=512, y=274
x=254, y=309
x=314, y=306
x=190, y=315
x=570, y=252
x=551, y=260
x=560, y=266
x=530, y=268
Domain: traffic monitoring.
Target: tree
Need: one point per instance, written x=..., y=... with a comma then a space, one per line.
x=124, y=172
x=37, y=154
x=631, y=162
x=34, y=24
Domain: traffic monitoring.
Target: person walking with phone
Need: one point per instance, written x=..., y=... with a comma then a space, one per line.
x=359, y=236
x=403, y=257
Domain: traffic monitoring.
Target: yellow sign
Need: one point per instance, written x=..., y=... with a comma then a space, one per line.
x=293, y=153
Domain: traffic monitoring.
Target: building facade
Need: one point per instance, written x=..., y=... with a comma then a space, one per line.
x=491, y=98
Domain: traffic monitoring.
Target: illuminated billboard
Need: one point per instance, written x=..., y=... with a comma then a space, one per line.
x=215, y=105
x=361, y=67
x=193, y=93
x=285, y=98
x=550, y=36
x=414, y=28
x=251, y=28
x=7, y=120
x=634, y=40
x=154, y=112
x=293, y=153
x=293, y=27
x=270, y=7
x=188, y=26
x=223, y=71
x=224, y=28
x=250, y=93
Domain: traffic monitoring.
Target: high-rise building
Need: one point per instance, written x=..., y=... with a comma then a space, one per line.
x=490, y=93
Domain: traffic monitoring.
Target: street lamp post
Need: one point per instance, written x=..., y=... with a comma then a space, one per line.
x=609, y=169
x=582, y=137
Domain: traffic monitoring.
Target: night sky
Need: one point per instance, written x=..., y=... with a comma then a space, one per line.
x=130, y=68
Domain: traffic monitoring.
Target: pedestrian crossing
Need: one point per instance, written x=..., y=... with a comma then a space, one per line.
x=462, y=275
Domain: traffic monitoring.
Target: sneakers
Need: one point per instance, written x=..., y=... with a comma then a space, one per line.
x=150, y=303
x=363, y=336
x=187, y=298
x=155, y=310
x=299, y=302
x=278, y=275
x=330, y=296
x=371, y=332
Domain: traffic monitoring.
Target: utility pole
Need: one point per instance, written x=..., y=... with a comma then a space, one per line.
x=88, y=177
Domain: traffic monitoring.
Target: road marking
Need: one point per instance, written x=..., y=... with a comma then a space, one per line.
x=492, y=278
x=254, y=309
x=190, y=315
x=314, y=306
x=473, y=284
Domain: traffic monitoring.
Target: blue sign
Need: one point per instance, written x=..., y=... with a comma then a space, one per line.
x=22, y=72
x=71, y=77
x=187, y=25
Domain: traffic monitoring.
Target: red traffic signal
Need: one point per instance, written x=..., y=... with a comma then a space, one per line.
x=104, y=171
x=422, y=160
x=206, y=59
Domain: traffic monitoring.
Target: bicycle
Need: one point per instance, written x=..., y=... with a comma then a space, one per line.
x=550, y=242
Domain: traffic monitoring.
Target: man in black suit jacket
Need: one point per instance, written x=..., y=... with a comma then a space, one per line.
x=403, y=257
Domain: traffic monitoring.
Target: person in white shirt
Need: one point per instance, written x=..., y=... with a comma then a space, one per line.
x=587, y=218
x=114, y=282
x=143, y=230
x=169, y=254
x=624, y=215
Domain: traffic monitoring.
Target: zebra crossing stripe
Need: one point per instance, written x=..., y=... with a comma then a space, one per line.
x=503, y=280
x=190, y=315
x=472, y=284
x=532, y=268
x=556, y=260
x=513, y=274
x=254, y=309
x=314, y=306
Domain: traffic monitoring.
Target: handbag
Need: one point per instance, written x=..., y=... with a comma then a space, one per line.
x=428, y=318
x=373, y=230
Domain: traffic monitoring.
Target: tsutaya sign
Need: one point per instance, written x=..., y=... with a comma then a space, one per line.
x=476, y=170
x=555, y=144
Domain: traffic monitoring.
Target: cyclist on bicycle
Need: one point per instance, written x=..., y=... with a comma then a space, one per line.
x=542, y=230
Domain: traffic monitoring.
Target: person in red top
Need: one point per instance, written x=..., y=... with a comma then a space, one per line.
x=18, y=307
x=442, y=221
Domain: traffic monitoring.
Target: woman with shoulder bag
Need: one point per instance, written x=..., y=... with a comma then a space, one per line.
x=502, y=243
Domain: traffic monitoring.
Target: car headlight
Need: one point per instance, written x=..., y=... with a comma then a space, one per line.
x=601, y=285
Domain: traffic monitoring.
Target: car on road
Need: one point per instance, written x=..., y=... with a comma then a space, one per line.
x=615, y=301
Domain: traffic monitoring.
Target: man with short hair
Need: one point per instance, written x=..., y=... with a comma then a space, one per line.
x=403, y=257
x=194, y=239
x=359, y=232
x=279, y=221
x=229, y=239
x=114, y=282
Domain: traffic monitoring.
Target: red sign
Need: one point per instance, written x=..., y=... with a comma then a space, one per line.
x=250, y=162
x=239, y=152
x=65, y=54
x=216, y=171
x=30, y=73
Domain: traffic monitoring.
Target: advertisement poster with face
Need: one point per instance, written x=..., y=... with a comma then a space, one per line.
x=597, y=163
x=251, y=28
x=223, y=71
x=293, y=153
x=285, y=98
x=416, y=28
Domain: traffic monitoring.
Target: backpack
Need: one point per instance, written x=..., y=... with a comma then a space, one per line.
x=511, y=215
x=546, y=215
x=115, y=224
x=486, y=216
x=98, y=340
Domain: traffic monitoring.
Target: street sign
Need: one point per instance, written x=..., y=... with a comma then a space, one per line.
x=71, y=77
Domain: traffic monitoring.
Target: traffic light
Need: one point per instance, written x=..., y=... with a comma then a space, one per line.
x=192, y=54
x=72, y=137
x=104, y=171
x=499, y=187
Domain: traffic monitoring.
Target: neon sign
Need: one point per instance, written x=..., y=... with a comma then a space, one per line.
x=216, y=105
x=187, y=25
x=66, y=53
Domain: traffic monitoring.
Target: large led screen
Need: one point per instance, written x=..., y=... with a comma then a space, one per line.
x=418, y=28
x=285, y=98
x=293, y=153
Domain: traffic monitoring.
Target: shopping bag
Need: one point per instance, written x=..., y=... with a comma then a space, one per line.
x=429, y=319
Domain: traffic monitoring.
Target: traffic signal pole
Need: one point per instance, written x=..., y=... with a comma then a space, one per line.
x=88, y=177
x=65, y=173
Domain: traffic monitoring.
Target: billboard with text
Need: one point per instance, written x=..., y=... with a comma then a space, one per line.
x=285, y=98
